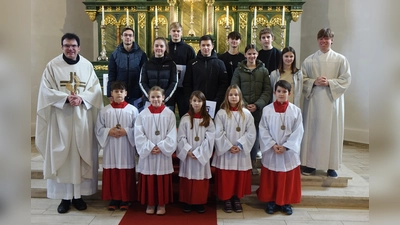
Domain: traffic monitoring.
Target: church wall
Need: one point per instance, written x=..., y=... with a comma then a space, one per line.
x=50, y=19
x=349, y=21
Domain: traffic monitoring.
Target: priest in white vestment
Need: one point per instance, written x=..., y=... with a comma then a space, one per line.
x=326, y=77
x=68, y=103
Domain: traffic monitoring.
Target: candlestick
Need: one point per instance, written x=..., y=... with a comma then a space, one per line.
x=283, y=15
x=102, y=15
x=227, y=15
x=103, y=53
x=255, y=16
x=156, y=22
x=127, y=17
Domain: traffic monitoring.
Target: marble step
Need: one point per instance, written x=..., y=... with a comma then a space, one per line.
x=356, y=194
x=318, y=180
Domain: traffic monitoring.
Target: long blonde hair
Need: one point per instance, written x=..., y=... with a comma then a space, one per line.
x=227, y=106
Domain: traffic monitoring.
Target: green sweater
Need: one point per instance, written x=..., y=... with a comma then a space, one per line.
x=255, y=86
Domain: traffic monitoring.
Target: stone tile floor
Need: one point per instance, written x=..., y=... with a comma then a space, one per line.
x=355, y=157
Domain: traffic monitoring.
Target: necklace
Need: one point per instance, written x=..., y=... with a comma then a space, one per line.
x=118, y=126
x=197, y=131
x=238, y=123
x=282, y=120
x=157, y=132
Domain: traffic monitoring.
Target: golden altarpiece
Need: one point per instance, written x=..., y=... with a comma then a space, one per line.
x=151, y=18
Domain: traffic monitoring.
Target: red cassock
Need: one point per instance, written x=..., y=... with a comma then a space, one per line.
x=280, y=187
x=155, y=189
x=119, y=184
x=232, y=182
x=193, y=192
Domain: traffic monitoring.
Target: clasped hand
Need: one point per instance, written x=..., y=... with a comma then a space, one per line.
x=234, y=149
x=156, y=150
x=321, y=81
x=115, y=132
x=279, y=149
x=74, y=100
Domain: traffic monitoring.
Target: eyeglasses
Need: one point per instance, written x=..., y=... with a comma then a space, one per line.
x=69, y=46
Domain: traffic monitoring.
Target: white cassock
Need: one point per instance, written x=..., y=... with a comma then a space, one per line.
x=271, y=134
x=197, y=169
x=64, y=133
x=118, y=153
x=226, y=136
x=146, y=125
x=323, y=109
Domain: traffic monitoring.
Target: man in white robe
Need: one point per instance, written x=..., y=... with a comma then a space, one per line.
x=68, y=103
x=326, y=78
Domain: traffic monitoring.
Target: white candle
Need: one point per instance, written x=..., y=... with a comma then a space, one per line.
x=127, y=17
x=227, y=15
x=156, y=22
x=102, y=15
x=283, y=15
x=255, y=16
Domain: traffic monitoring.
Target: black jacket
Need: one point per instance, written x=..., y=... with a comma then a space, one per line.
x=208, y=75
x=181, y=52
x=161, y=72
x=125, y=66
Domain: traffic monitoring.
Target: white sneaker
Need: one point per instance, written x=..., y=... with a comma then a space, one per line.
x=150, y=209
x=161, y=210
x=259, y=155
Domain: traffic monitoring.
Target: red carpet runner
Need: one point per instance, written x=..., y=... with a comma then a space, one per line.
x=174, y=216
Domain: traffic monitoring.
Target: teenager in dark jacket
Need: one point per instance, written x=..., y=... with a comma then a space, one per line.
x=125, y=64
x=160, y=71
x=181, y=53
x=206, y=73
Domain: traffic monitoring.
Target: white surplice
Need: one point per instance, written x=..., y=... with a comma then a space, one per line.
x=271, y=134
x=323, y=109
x=226, y=137
x=199, y=168
x=64, y=133
x=146, y=125
x=119, y=152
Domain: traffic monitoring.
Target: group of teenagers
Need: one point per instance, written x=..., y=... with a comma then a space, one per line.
x=258, y=96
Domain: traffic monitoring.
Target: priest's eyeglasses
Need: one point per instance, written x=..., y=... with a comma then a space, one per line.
x=70, y=46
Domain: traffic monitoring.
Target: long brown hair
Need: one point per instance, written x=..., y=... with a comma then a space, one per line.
x=293, y=66
x=227, y=106
x=203, y=111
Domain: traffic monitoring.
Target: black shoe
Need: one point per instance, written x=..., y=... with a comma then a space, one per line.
x=114, y=204
x=79, y=204
x=228, y=206
x=271, y=208
x=123, y=205
x=187, y=208
x=237, y=207
x=331, y=173
x=200, y=208
x=64, y=206
x=308, y=171
x=287, y=209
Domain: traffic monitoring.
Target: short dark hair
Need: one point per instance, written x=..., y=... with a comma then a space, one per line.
x=118, y=85
x=71, y=36
x=250, y=46
x=206, y=38
x=234, y=35
x=283, y=84
x=127, y=28
x=325, y=32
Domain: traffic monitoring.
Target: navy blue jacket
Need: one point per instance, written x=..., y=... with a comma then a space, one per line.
x=125, y=66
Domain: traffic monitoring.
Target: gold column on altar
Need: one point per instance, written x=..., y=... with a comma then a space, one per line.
x=172, y=12
x=210, y=16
